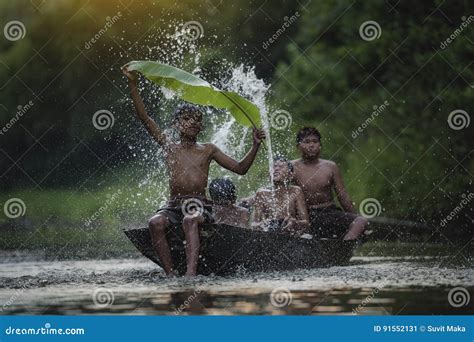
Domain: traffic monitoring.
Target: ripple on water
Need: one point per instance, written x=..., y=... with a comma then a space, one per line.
x=137, y=286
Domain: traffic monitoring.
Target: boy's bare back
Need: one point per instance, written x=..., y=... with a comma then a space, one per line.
x=231, y=215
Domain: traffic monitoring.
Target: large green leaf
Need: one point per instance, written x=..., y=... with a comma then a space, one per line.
x=195, y=90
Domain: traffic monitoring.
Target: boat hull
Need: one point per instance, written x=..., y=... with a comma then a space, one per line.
x=227, y=250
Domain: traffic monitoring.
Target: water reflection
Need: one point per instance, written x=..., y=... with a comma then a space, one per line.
x=390, y=301
x=369, y=286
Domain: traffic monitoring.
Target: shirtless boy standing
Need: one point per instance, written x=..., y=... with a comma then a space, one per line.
x=188, y=165
x=282, y=208
x=318, y=178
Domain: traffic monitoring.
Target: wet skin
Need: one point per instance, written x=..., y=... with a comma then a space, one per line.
x=287, y=203
x=318, y=178
x=230, y=214
x=188, y=165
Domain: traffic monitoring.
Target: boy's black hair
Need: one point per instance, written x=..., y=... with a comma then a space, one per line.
x=185, y=108
x=285, y=160
x=222, y=190
x=306, y=132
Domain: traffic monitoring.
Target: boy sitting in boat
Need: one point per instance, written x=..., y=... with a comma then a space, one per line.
x=188, y=165
x=318, y=178
x=282, y=208
x=224, y=209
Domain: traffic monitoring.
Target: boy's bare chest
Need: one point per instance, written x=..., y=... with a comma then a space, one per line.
x=185, y=158
x=313, y=177
x=284, y=202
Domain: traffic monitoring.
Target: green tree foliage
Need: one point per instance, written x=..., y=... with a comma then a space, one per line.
x=69, y=77
x=407, y=156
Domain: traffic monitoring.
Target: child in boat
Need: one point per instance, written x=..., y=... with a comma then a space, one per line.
x=318, y=178
x=224, y=210
x=188, y=165
x=282, y=208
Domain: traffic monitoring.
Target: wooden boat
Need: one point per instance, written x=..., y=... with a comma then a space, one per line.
x=227, y=250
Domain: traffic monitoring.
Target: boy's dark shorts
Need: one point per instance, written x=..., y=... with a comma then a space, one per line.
x=330, y=222
x=176, y=209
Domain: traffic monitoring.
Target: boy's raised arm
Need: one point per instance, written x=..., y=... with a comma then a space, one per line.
x=243, y=166
x=147, y=121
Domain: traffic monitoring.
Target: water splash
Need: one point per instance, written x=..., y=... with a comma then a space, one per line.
x=244, y=81
x=221, y=127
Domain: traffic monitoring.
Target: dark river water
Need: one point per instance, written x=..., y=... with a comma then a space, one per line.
x=368, y=286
